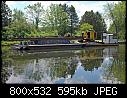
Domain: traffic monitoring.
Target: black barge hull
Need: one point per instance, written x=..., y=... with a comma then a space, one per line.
x=59, y=46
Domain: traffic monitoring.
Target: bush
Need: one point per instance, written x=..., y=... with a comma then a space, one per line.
x=8, y=43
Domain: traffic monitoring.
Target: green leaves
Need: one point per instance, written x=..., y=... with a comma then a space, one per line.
x=6, y=14
x=85, y=27
x=95, y=19
x=34, y=13
x=116, y=13
x=56, y=19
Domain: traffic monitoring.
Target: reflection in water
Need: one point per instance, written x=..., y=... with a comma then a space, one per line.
x=89, y=65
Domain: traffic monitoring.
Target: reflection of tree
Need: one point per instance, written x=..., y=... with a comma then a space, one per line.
x=63, y=67
x=116, y=72
x=5, y=73
x=7, y=63
x=93, y=52
x=91, y=58
x=35, y=73
x=56, y=65
x=89, y=64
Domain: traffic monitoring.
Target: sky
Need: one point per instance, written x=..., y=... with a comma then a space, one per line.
x=80, y=6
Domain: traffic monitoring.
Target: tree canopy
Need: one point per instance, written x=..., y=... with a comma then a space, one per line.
x=96, y=20
x=116, y=13
x=60, y=19
x=85, y=27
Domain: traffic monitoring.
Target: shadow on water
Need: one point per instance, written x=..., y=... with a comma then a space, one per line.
x=88, y=66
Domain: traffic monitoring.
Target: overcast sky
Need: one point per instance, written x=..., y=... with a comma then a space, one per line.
x=80, y=6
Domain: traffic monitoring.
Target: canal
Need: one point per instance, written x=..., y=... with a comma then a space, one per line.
x=91, y=65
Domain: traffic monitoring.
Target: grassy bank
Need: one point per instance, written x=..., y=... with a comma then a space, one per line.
x=8, y=43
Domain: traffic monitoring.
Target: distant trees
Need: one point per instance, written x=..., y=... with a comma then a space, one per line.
x=96, y=20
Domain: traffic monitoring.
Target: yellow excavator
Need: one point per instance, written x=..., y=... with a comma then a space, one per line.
x=89, y=36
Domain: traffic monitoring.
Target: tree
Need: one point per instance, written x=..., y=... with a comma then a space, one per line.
x=74, y=20
x=66, y=9
x=109, y=10
x=19, y=26
x=85, y=27
x=99, y=25
x=6, y=14
x=116, y=13
x=34, y=13
x=56, y=19
x=96, y=20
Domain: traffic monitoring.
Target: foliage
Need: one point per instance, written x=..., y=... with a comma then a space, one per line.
x=59, y=20
x=116, y=13
x=8, y=43
x=55, y=19
x=6, y=14
x=34, y=13
x=85, y=27
x=19, y=26
x=73, y=20
x=96, y=20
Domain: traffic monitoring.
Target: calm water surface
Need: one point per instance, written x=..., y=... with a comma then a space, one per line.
x=87, y=66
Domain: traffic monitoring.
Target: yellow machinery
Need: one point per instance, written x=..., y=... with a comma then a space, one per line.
x=89, y=35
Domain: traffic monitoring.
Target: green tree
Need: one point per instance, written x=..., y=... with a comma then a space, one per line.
x=34, y=13
x=19, y=26
x=99, y=25
x=6, y=15
x=85, y=27
x=66, y=9
x=116, y=13
x=74, y=20
x=56, y=19
x=96, y=20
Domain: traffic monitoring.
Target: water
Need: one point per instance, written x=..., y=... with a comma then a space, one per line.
x=88, y=66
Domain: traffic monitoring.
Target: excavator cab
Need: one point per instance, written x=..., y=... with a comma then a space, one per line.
x=89, y=35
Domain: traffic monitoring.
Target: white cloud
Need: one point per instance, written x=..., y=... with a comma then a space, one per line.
x=10, y=3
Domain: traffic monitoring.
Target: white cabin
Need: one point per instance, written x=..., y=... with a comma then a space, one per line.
x=109, y=38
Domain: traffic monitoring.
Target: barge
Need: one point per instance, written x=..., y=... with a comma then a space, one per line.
x=60, y=46
x=86, y=40
x=48, y=46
